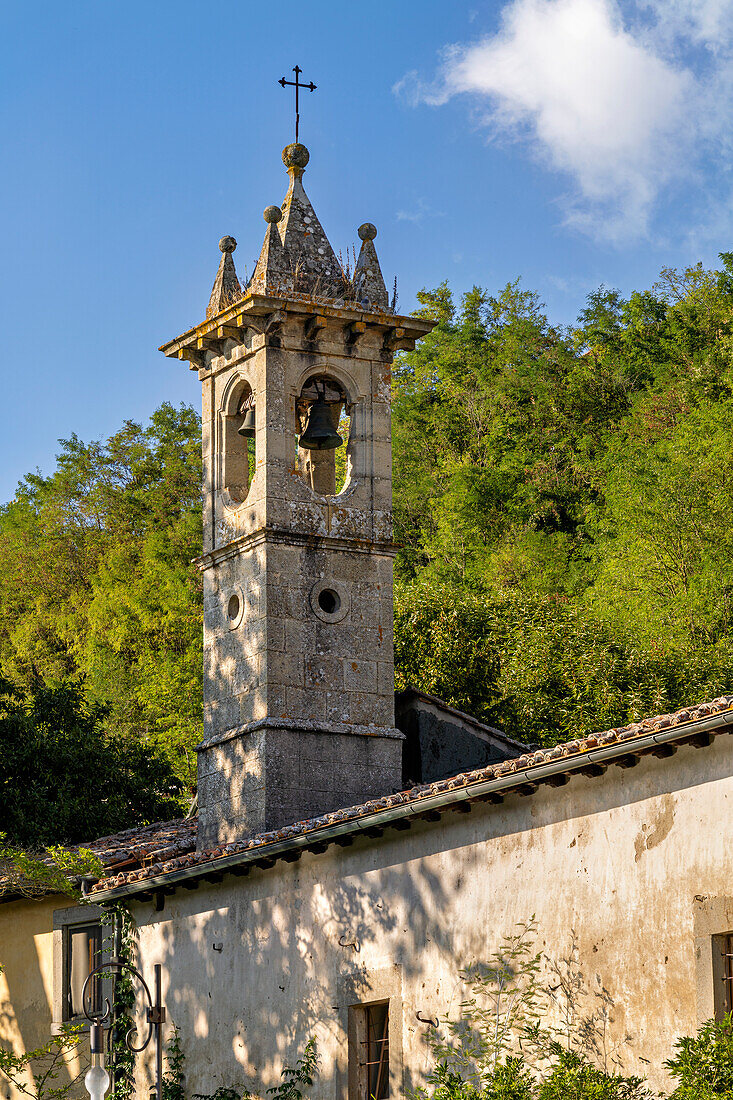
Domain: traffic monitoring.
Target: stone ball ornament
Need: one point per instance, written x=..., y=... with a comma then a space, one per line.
x=367, y=231
x=295, y=155
x=272, y=214
x=227, y=244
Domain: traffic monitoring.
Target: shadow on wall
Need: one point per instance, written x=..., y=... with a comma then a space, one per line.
x=257, y=964
x=279, y=956
x=26, y=1012
x=270, y=960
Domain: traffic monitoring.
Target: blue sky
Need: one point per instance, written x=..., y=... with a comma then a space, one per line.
x=569, y=142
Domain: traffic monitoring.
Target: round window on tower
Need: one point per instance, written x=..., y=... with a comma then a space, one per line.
x=233, y=601
x=329, y=601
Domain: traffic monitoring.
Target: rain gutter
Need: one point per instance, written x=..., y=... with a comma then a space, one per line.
x=445, y=800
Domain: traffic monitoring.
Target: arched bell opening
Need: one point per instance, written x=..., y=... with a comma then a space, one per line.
x=323, y=417
x=239, y=449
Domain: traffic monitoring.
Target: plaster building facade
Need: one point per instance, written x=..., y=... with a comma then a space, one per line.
x=349, y=858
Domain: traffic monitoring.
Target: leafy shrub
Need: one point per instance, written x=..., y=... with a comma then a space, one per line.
x=303, y=1076
x=574, y=1078
x=509, y=1080
x=174, y=1080
x=703, y=1063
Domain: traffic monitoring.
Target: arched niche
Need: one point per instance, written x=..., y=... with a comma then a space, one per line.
x=326, y=472
x=238, y=451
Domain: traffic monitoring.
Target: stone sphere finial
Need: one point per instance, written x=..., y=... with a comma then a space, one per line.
x=272, y=214
x=295, y=156
x=367, y=231
x=227, y=244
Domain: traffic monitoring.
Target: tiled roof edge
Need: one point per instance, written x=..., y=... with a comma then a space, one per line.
x=381, y=812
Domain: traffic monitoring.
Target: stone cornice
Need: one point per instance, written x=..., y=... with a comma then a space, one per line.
x=275, y=535
x=301, y=727
x=265, y=314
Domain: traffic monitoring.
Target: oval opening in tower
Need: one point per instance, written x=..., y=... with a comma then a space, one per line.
x=233, y=607
x=323, y=428
x=329, y=601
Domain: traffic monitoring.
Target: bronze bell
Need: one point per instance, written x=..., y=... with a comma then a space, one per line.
x=247, y=427
x=320, y=434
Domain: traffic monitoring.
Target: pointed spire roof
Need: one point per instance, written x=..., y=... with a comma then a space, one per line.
x=368, y=278
x=314, y=266
x=272, y=274
x=297, y=258
x=226, y=284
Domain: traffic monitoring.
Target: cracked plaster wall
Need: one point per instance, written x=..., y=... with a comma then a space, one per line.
x=301, y=942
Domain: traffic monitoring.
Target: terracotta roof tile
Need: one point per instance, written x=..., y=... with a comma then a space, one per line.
x=172, y=844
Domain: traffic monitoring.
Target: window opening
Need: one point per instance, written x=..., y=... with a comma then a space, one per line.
x=375, y=1053
x=322, y=412
x=342, y=456
x=83, y=954
x=727, y=945
x=329, y=601
x=239, y=447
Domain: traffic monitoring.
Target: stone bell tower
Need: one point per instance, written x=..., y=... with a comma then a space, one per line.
x=297, y=563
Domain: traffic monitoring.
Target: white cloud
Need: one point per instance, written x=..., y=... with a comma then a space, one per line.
x=609, y=105
x=417, y=213
x=704, y=22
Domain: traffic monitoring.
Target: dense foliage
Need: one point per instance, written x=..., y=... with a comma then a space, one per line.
x=562, y=502
x=66, y=777
x=97, y=588
x=702, y=1064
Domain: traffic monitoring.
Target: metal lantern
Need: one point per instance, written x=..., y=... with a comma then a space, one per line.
x=97, y=1079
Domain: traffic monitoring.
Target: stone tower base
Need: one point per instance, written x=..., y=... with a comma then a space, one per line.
x=260, y=777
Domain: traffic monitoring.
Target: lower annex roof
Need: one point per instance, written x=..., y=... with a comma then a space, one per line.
x=165, y=855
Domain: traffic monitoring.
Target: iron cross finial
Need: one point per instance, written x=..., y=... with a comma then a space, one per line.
x=297, y=85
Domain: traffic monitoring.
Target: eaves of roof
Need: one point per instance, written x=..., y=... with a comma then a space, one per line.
x=523, y=775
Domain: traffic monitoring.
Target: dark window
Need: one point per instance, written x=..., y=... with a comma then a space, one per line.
x=329, y=601
x=82, y=953
x=375, y=1052
x=726, y=999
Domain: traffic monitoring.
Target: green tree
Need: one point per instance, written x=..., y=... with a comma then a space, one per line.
x=67, y=777
x=97, y=588
x=561, y=502
x=57, y=870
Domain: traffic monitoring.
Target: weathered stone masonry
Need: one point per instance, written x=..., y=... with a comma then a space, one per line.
x=298, y=686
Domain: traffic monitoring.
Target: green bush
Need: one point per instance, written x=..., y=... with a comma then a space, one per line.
x=703, y=1063
x=574, y=1078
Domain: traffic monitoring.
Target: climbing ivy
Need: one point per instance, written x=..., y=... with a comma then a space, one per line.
x=118, y=920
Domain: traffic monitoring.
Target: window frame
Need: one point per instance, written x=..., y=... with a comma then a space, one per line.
x=371, y=1051
x=356, y=996
x=713, y=939
x=95, y=1001
x=65, y=922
